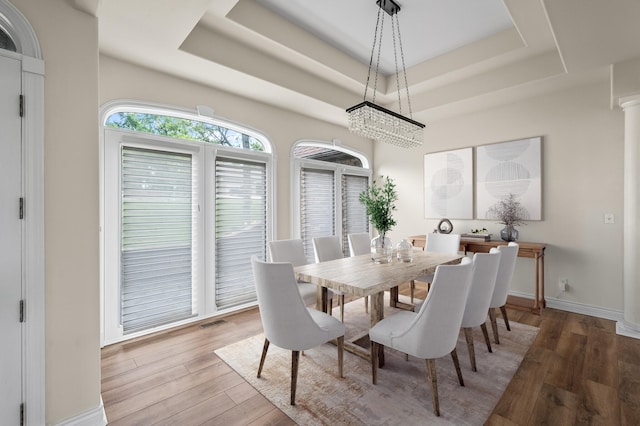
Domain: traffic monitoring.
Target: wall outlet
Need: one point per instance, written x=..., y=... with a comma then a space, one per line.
x=563, y=284
x=609, y=218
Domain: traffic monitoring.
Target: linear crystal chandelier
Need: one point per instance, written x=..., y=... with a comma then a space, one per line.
x=374, y=121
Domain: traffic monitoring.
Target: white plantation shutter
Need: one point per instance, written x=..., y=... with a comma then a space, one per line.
x=354, y=214
x=317, y=206
x=156, y=243
x=241, y=228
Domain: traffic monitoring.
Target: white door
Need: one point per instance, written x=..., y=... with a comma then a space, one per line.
x=10, y=242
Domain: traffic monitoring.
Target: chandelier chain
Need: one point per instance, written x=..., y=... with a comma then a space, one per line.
x=373, y=49
x=395, y=59
x=375, y=86
x=404, y=69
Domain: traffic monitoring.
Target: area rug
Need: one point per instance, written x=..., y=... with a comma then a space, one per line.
x=402, y=395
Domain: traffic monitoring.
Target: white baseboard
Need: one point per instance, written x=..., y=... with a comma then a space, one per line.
x=576, y=307
x=94, y=417
x=623, y=329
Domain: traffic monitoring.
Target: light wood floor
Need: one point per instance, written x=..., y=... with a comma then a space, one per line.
x=578, y=371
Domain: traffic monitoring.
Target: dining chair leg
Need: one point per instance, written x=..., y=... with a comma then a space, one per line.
x=330, y=305
x=486, y=336
x=412, y=289
x=380, y=356
x=433, y=380
x=366, y=304
x=456, y=363
x=340, y=355
x=503, y=309
x=265, y=348
x=494, y=325
x=295, y=360
x=374, y=362
x=468, y=334
x=342, y=307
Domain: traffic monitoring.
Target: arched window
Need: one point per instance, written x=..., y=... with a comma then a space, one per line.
x=328, y=180
x=187, y=201
x=184, y=128
x=6, y=42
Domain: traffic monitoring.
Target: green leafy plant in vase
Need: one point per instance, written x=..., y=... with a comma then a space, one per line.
x=379, y=202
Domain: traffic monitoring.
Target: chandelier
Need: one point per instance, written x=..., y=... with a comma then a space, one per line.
x=374, y=121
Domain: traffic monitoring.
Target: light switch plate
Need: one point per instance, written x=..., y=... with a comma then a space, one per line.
x=609, y=218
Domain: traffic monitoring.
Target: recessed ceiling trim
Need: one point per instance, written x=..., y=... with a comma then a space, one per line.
x=291, y=43
x=220, y=49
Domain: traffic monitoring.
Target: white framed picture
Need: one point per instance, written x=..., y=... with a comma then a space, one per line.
x=448, y=184
x=509, y=168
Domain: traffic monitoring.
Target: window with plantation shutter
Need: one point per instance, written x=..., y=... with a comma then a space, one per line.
x=317, y=206
x=354, y=214
x=185, y=202
x=241, y=228
x=328, y=179
x=156, y=243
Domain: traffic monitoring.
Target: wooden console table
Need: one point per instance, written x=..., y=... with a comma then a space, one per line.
x=531, y=250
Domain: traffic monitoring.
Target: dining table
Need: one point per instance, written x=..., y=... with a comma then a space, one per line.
x=360, y=276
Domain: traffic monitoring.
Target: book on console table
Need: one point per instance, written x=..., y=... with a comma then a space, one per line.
x=479, y=237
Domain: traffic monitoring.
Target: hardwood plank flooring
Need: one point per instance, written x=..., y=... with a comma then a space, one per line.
x=578, y=371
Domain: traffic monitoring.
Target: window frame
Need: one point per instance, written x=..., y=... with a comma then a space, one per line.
x=339, y=170
x=204, y=248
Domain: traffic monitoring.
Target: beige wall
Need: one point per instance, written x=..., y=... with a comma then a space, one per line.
x=582, y=161
x=121, y=80
x=68, y=40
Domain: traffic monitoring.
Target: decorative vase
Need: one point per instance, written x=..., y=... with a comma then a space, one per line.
x=382, y=249
x=405, y=251
x=509, y=233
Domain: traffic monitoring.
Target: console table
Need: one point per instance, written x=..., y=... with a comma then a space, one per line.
x=530, y=250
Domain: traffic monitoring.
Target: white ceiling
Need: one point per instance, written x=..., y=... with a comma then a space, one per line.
x=311, y=57
x=428, y=28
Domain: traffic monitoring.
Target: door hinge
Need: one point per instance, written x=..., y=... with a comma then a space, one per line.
x=21, y=105
x=22, y=303
x=22, y=414
x=21, y=207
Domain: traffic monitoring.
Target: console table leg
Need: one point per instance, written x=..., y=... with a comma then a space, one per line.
x=536, y=306
x=544, y=301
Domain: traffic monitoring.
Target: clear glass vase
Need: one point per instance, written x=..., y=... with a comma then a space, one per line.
x=381, y=249
x=404, y=251
x=509, y=233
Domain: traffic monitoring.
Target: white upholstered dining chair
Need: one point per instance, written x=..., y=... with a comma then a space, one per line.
x=433, y=331
x=293, y=251
x=442, y=243
x=359, y=244
x=329, y=248
x=287, y=323
x=483, y=280
x=508, y=255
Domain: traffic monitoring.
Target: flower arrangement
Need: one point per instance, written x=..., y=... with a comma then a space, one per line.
x=508, y=211
x=380, y=204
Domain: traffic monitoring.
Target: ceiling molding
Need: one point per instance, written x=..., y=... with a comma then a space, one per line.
x=242, y=47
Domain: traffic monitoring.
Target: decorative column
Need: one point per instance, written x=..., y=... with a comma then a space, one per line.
x=630, y=325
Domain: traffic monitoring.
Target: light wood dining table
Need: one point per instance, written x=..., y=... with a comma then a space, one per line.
x=360, y=277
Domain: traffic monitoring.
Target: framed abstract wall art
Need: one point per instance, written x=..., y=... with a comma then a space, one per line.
x=509, y=168
x=448, y=184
